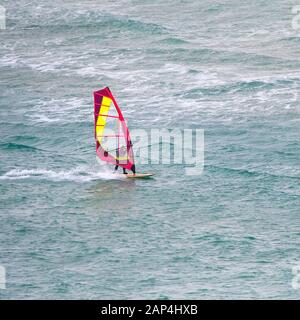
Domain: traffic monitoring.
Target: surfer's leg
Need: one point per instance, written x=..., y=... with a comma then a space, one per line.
x=133, y=169
x=116, y=167
x=124, y=171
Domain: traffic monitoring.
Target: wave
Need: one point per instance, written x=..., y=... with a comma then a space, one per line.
x=17, y=146
x=209, y=55
x=82, y=19
x=79, y=174
x=67, y=110
x=173, y=41
x=238, y=87
x=290, y=39
x=249, y=173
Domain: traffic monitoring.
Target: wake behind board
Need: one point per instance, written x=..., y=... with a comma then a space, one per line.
x=139, y=175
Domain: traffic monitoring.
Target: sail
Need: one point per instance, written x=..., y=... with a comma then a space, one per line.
x=113, y=143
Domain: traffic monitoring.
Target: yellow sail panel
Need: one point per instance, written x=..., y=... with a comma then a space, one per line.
x=102, y=117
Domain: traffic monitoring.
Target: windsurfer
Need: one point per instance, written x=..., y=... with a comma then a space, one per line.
x=105, y=107
x=133, y=165
x=120, y=155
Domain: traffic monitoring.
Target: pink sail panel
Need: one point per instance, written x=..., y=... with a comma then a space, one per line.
x=113, y=143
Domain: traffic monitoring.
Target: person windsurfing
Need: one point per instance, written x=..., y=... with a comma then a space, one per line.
x=121, y=154
x=106, y=109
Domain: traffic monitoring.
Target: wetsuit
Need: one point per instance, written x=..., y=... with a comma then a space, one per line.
x=117, y=160
x=123, y=152
x=133, y=168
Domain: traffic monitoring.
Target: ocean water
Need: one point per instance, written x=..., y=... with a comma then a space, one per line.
x=72, y=230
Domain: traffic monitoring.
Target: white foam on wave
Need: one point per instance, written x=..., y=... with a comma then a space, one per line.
x=89, y=71
x=9, y=60
x=79, y=174
x=68, y=110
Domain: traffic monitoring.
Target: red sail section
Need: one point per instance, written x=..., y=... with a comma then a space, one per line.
x=113, y=143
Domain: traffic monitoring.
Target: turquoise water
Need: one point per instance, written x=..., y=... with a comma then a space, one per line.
x=70, y=229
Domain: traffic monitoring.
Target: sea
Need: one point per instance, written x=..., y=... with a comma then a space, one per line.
x=71, y=229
